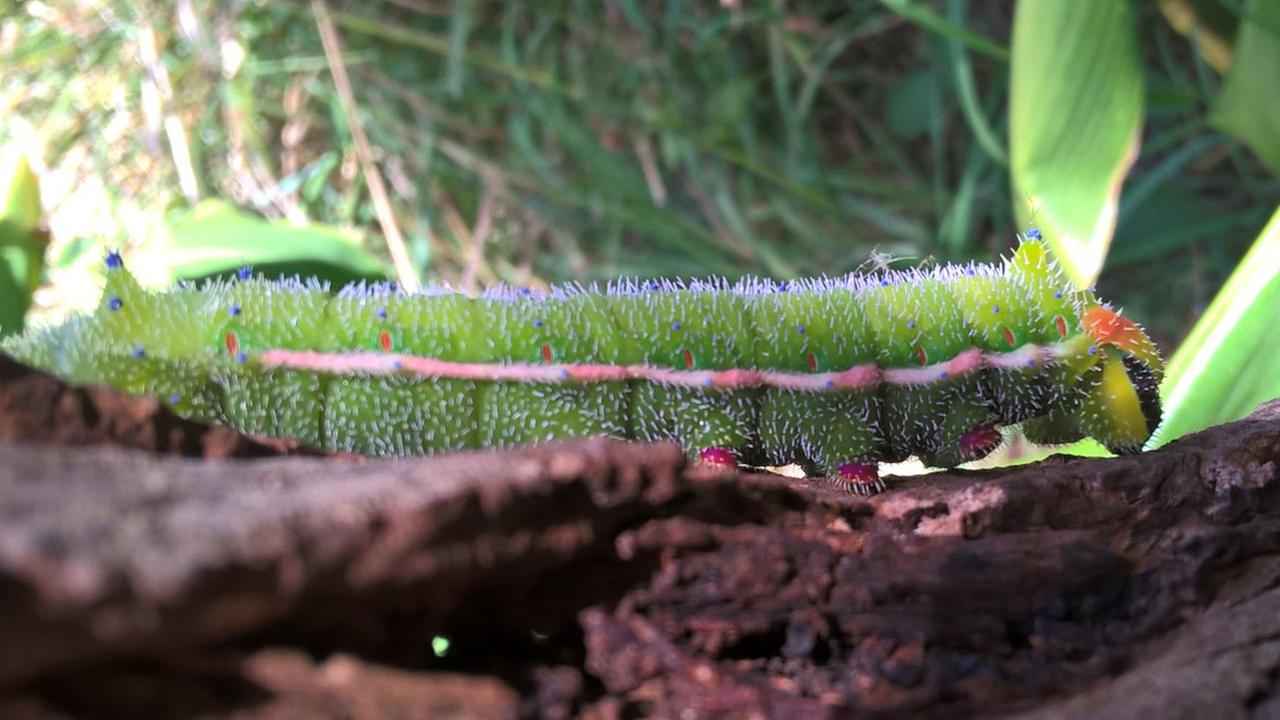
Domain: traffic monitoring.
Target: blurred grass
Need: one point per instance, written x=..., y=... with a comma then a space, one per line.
x=583, y=140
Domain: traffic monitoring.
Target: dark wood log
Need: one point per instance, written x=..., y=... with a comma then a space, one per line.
x=606, y=579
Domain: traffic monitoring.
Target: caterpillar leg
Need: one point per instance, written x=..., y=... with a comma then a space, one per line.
x=718, y=457
x=968, y=433
x=862, y=478
x=714, y=427
x=831, y=436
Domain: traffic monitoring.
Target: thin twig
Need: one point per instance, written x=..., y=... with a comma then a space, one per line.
x=377, y=190
x=160, y=93
x=466, y=236
x=479, y=234
x=652, y=175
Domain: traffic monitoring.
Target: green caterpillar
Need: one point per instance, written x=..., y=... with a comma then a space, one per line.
x=836, y=374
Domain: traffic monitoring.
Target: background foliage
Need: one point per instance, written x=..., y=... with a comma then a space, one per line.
x=578, y=139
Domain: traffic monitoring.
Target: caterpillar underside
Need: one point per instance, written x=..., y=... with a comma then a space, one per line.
x=836, y=374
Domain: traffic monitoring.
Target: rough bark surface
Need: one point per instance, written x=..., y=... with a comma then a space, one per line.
x=608, y=580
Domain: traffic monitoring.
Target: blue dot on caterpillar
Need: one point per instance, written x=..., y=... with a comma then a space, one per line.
x=792, y=385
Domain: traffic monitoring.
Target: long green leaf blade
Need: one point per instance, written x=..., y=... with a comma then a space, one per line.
x=1248, y=107
x=21, y=241
x=1227, y=365
x=1075, y=118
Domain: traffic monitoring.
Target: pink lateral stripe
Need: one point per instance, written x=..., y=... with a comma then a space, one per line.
x=859, y=377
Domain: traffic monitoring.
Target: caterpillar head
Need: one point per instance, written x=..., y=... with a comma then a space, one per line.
x=1121, y=408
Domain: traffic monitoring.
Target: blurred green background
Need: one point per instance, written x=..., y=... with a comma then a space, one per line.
x=472, y=142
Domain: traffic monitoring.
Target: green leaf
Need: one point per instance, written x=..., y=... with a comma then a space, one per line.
x=21, y=241
x=215, y=238
x=1075, y=120
x=1227, y=365
x=1248, y=107
x=19, y=199
x=14, y=296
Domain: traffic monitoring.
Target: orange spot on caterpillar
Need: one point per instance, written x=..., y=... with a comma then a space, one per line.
x=384, y=341
x=1109, y=326
x=812, y=361
x=1009, y=338
x=232, y=341
x=547, y=356
x=1060, y=323
x=687, y=354
x=921, y=355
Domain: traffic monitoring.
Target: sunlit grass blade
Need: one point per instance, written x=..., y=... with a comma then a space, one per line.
x=1227, y=365
x=1075, y=117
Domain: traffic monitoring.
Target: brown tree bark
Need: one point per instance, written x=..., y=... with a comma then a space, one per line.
x=605, y=579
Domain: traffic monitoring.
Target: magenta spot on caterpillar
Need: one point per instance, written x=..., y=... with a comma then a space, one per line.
x=232, y=343
x=244, y=273
x=547, y=356
x=675, y=325
x=1033, y=234
x=114, y=304
x=1008, y=336
x=384, y=341
x=687, y=354
x=381, y=313
x=812, y=361
x=537, y=322
x=979, y=440
x=921, y=355
x=234, y=311
x=799, y=329
x=1061, y=324
x=719, y=457
x=114, y=261
x=138, y=352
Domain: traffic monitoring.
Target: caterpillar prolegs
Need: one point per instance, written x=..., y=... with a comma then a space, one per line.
x=836, y=374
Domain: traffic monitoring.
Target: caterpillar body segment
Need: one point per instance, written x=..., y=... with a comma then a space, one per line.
x=837, y=374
